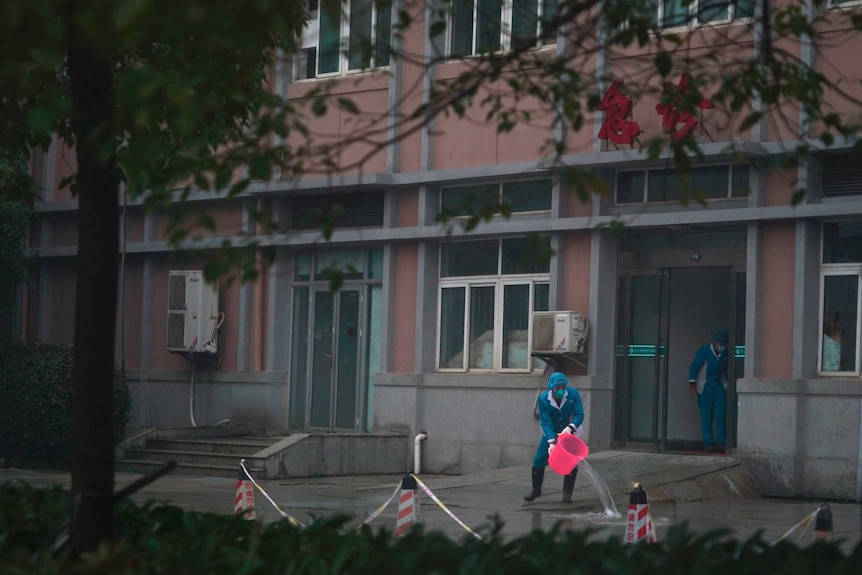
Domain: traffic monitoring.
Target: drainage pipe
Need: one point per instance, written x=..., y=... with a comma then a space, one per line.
x=417, y=450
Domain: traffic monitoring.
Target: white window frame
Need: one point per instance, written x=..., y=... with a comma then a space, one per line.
x=832, y=270
x=693, y=22
x=506, y=16
x=498, y=283
x=311, y=40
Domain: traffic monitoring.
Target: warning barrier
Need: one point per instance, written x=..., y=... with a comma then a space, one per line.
x=244, y=502
x=821, y=518
x=823, y=523
x=639, y=526
x=408, y=506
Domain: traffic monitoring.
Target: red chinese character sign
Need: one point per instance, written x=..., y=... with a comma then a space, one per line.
x=618, y=126
x=671, y=116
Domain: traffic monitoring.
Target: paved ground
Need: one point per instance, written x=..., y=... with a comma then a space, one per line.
x=707, y=492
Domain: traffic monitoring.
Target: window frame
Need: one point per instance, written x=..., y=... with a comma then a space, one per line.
x=645, y=198
x=840, y=270
x=499, y=189
x=311, y=42
x=504, y=26
x=499, y=283
x=692, y=15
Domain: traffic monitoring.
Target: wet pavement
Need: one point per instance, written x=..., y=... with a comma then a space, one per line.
x=706, y=492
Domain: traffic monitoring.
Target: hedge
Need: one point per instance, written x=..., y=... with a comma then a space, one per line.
x=155, y=538
x=35, y=402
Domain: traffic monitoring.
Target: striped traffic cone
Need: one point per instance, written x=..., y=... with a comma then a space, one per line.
x=244, y=503
x=638, y=521
x=408, y=506
x=823, y=523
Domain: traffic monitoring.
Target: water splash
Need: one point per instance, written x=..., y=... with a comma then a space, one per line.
x=601, y=488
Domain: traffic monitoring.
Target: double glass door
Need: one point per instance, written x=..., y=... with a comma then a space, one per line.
x=665, y=314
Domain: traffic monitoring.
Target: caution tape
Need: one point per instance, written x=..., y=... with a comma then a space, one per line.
x=806, y=522
x=443, y=507
x=380, y=509
x=293, y=520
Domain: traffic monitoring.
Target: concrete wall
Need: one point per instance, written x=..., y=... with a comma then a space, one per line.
x=802, y=438
x=474, y=422
x=163, y=398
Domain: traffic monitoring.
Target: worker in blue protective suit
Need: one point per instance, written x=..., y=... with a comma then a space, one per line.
x=707, y=380
x=560, y=411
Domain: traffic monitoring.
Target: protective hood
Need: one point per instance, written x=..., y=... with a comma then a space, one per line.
x=557, y=379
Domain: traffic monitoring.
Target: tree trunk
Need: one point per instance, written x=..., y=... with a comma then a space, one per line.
x=97, y=187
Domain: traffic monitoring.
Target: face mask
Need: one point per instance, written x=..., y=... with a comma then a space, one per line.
x=720, y=348
x=559, y=393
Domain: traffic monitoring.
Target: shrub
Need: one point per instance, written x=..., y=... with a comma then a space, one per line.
x=155, y=538
x=36, y=398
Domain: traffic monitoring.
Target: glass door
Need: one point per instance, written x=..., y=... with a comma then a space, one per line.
x=641, y=359
x=335, y=374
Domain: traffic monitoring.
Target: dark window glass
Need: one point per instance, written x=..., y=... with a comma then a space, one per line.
x=529, y=196
x=549, y=12
x=675, y=13
x=711, y=182
x=524, y=22
x=462, y=28
x=359, y=48
x=630, y=187
x=713, y=10
x=384, y=32
x=743, y=9
x=471, y=200
x=740, y=186
x=330, y=37
x=842, y=242
x=530, y=255
x=490, y=16
x=476, y=258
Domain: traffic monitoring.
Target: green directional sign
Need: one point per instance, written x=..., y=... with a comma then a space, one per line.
x=641, y=350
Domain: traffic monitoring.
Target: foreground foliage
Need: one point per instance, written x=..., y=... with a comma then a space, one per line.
x=35, y=402
x=156, y=538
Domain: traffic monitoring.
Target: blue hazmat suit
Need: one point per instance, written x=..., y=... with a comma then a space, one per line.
x=554, y=418
x=708, y=371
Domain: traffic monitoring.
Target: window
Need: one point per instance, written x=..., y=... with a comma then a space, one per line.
x=484, y=26
x=344, y=36
x=488, y=289
x=841, y=292
x=706, y=183
x=519, y=197
x=676, y=13
x=842, y=175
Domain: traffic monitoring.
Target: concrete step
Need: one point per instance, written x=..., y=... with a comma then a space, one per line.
x=148, y=466
x=240, y=446
x=183, y=457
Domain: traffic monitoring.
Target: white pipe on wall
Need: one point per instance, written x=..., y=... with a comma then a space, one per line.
x=417, y=451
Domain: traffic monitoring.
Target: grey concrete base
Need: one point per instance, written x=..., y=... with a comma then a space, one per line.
x=305, y=455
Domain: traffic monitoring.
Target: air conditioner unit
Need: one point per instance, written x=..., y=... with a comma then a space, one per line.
x=557, y=332
x=193, y=316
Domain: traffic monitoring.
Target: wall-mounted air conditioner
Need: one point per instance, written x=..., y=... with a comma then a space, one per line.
x=556, y=332
x=193, y=316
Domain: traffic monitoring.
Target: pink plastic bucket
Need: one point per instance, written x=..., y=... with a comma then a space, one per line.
x=568, y=453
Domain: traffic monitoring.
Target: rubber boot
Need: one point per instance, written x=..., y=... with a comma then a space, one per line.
x=569, y=485
x=538, y=477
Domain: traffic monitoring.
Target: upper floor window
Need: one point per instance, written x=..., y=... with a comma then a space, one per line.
x=841, y=293
x=488, y=289
x=513, y=197
x=484, y=26
x=676, y=13
x=842, y=175
x=343, y=37
x=670, y=185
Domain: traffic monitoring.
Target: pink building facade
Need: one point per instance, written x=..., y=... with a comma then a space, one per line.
x=431, y=329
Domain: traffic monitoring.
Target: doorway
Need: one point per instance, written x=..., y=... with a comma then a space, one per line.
x=666, y=310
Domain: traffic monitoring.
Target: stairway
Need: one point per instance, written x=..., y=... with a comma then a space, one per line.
x=208, y=451
x=217, y=452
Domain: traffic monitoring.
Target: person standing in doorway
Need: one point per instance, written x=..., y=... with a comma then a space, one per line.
x=707, y=381
x=560, y=411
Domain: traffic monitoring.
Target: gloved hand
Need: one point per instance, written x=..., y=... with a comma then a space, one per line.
x=551, y=446
x=570, y=429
